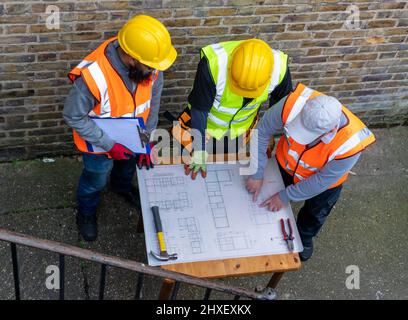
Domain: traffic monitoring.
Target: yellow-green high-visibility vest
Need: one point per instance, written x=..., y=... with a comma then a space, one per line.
x=228, y=112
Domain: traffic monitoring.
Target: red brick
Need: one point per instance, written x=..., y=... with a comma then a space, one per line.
x=221, y=11
x=371, y=56
x=241, y=20
x=381, y=23
x=183, y=23
x=278, y=10
x=325, y=26
x=300, y=18
x=211, y=21
x=208, y=31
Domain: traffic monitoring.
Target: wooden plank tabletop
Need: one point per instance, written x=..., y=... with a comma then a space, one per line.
x=238, y=266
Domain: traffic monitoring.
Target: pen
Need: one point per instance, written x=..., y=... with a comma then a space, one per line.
x=140, y=136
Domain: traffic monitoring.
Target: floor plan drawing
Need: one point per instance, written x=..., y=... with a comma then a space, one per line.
x=258, y=217
x=212, y=218
x=215, y=197
x=168, y=193
x=156, y=185
x=181, y=201
x=233, y=241
x=218, y=176
x=190, y=226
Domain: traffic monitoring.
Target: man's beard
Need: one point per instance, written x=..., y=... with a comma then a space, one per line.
x=138, y=76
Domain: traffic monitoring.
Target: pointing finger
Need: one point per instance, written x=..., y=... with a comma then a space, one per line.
x=255, y=197
x=264, y=204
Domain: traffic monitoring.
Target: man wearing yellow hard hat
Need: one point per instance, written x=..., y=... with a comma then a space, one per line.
x=233, y=79
x=121, y=78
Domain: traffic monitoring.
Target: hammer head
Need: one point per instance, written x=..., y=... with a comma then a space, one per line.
x=164, y=256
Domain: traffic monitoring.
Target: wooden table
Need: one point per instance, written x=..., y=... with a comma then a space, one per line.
x=276, y=264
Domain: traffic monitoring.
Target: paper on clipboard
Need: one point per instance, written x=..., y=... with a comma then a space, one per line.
x=124, y=131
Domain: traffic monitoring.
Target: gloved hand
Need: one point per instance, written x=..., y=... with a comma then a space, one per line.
x=146, y=159
x=120, y=152
x=197, y=163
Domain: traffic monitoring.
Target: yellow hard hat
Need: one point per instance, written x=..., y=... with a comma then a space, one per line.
x=250, y=68
x=148, y=41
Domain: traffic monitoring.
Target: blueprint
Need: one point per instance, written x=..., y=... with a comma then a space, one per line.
x=212, y=218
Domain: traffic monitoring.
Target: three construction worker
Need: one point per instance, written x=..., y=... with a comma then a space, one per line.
x=322, y=140
x=121, y=78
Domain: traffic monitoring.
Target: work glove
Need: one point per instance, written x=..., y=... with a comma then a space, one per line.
x=120, y=152
x=197, y=164
x=145, y=159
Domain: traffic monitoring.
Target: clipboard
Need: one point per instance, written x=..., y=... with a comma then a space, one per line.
x=124, y=130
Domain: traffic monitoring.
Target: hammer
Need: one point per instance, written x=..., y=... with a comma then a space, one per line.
x=163, y=256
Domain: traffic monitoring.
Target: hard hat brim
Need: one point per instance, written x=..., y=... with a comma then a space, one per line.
x=247, y=93
x=165, y=63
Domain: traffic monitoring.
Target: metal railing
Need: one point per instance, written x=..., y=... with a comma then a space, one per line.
x=14, y=239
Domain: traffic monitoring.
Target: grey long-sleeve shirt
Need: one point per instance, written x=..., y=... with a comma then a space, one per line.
x=270, y=124
x=80, y=102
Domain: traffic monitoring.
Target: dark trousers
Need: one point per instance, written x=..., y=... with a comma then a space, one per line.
x=95, y=176
x=314, y=212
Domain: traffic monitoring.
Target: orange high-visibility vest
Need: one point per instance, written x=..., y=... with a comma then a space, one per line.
x=301, y=161
x=113, y=98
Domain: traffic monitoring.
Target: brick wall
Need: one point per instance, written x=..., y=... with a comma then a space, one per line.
x=365, y=67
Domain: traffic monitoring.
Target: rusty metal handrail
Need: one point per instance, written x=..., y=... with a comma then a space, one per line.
x=85, y=254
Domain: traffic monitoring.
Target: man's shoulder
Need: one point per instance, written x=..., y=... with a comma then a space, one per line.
x=111, y=52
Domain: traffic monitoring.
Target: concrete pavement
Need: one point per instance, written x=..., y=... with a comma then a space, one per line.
x=366, y=229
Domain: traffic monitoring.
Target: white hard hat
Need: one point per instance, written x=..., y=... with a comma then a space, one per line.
x=319, y=116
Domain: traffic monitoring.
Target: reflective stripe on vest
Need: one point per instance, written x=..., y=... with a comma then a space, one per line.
x=142, y=108
x=348, y=141
x=279, y=69
x=100, y=81
x=351, y=142
x=224, y=113
x=300, y=103
x=295, y=156
x=288, y=169
x=83, y=64
x=224, y=123
x=222, y=73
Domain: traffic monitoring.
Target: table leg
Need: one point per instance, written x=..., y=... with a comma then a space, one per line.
x=166, y=289
x=275, y=279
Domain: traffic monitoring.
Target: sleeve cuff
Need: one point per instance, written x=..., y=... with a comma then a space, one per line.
x=106, y=143
x=258, y=175
x=283, y=196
